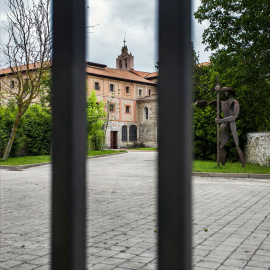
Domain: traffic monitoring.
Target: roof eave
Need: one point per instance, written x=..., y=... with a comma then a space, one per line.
x=121, y=79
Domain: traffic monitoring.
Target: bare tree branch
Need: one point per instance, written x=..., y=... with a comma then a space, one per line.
x=27, y=53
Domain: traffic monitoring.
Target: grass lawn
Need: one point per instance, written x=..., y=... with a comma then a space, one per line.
x=26, y=160
x=198, y=166
x=146, y=149
x=103, y=152
x=47, y=158
x=235, y=167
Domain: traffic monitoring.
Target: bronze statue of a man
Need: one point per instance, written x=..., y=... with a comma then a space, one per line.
x=230, y=109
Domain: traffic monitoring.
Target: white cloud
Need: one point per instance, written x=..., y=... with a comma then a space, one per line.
x=138, y=19
x=135, y=18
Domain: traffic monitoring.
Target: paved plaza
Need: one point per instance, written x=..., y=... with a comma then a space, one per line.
x=231, y=217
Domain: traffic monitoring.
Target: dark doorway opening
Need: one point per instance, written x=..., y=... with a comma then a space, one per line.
x=114, y=139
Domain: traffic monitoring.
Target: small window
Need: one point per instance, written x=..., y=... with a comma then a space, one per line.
x=120, y=64
x=149, y=92
x=112, y=107
x=128, y=109
x=140, y=92
x=124, y=133
x=145, y=112
x=97, y=87
x=127, y=90
x=12, y=84
x=111, y=87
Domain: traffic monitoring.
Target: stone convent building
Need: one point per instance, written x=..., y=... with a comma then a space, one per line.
x=130, y=99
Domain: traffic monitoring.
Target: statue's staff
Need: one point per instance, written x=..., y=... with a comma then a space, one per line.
x=217, y=88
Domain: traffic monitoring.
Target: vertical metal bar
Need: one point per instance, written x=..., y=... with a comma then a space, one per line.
x=218, y=148
x=69, y=136
x=174, y=135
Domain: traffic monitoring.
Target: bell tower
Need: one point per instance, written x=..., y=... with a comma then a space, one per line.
x=125, y=61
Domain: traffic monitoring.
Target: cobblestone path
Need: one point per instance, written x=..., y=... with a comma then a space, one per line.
x=231, y=218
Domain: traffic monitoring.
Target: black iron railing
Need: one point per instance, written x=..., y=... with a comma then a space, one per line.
x=69, y=135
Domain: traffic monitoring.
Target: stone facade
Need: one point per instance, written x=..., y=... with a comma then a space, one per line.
x=116, y=126
x=258, y=148
x=147, y=117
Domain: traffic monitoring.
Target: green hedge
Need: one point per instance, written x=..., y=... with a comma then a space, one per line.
x=33, y=136
x=34, y=132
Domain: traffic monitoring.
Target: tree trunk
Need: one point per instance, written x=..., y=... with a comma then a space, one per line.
x=12, y=136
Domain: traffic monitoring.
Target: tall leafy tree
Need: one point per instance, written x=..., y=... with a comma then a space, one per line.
x=95, y=121
x=241, y=28
x=239, y=31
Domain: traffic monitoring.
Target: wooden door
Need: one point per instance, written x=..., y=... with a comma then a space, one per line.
x=114, y=139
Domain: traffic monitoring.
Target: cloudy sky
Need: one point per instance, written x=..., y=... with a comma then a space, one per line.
x=138, y=21
x=115, y=19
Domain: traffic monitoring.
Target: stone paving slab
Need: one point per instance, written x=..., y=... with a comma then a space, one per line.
x=231, y=217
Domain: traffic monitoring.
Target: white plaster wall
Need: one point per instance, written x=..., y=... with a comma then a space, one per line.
x=258, y=148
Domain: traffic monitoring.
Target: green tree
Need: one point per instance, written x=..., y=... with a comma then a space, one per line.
x=241, y=29
x=253, y=96
x=239, y=32
x=95, y=120
x=204, y=127
x=34, y=132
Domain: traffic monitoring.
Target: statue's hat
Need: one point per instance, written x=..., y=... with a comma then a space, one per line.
x=227, y=89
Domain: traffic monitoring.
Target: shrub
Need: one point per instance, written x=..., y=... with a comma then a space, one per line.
x=34, y=132
x=37, y=130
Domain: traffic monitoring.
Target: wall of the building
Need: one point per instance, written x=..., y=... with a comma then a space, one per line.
x=117, y=126
x=145, y=90
x=9, y=93
x=120, y=117
x=148, y=127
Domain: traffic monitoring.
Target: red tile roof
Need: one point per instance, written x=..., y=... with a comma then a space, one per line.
x=118, y=74
x=204, y=64
x=20, y=69
x=101, y=71
x=146, y=75
x=140, y=73
x=152, y=75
